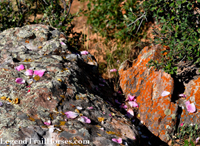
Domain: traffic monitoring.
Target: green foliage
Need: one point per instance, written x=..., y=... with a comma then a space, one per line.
x=116, y=19
x=179, y=23
x=187, y=134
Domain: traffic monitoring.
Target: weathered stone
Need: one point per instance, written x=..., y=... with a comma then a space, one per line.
x=156, y=112
x=70, y=81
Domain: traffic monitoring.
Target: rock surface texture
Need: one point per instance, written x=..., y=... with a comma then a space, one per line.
x=160, y=113
x=70, y=83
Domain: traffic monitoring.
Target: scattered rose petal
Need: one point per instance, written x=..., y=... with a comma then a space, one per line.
x=39, y=72
x=117, y=101
x=71, y=115
x=110, y=115
x=101, y=128
x=62, y=43
x=190, y=107
x=187, y=102
x=20, y=67
x=20, y=81
x=84, y=52
x=119, y=140
x=29, y=90
x=29, y=72
x=47, y=123
x=197, y=140
x=113, y=70
x=90, y=107
x=79, y=107
x=130, y=113
x=181, y=124
x=133, y=104
x=84, y=119
x=130, y=98
x=182, y=95
x=123, y=106
x=165, y=93
x=1, y=103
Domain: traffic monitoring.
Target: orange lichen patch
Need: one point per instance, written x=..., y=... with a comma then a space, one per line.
x=32, y=119
x=63, y=96
x=100, y=119
x=62, y=123
x=27, y=60
x=36, y=78
x=39, y=47
x=15, y=101
x=27, y=41
x=3, y=97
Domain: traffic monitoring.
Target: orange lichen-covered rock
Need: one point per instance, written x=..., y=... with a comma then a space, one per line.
x=192, y=92
x=136, y=78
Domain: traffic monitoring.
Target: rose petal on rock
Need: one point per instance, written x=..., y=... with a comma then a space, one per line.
x=191, y=108
x=20, y=81
x=84, y=52
x=62, y=43
x=90, y=107
x=130, y=113
x=29, y=72
x=39, y=72
x=165, y=93
x=182, y=95
x=47, y=123
x=113, y=70
x=84, y=119
x=133, y=104
x=71, y=115
x=130, y=98
x=119, y=140
x=187, y=102
x=20, y=67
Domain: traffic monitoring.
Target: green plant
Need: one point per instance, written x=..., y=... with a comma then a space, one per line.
x=116, y=19
x=178, y=21
x=187, y=135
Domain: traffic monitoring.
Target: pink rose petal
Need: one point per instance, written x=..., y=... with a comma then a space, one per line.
x=130, y=113
x=113, y=70
x=182, y=95
x=123, y=106
x=29, y=72
x=181, y=124
x=84, y=52
x=62, y=43
x=133, y=104
x=165, y=93
x=130, y=98
x=90, y=107
x=71, y=115
x=187, y=102
x=47, y=123
x=20, y=81
x=197, y=140
x=191, y=108
x=119, y=140
x=39, y=72
x=20, y=67
x=84, y=119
